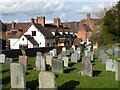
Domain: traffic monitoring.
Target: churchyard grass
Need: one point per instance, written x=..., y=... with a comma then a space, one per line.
x=69, y=79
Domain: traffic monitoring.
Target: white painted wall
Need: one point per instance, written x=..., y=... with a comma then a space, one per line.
x=39, y=36
x=16, y=42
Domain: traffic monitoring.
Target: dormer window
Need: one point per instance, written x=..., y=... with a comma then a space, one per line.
x=33, y=33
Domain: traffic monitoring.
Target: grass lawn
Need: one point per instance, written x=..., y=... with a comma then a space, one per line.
x=69, y=79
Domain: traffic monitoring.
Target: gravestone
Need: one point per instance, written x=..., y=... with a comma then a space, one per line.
x=2, y=58
x=104, y=58
x=117, y=72
x=60, y=56
x=86, y=68
x=110, y=65
x=65, y=59
x=90, y=55
x=52, y=53
x=117, y=54
x=63, y=49
x=40, y=62
x=49, y=60
x=23, y=52
x=17, y=74
x=63, y=53
x=73, y=47
x=79, y=50
x=110, y=51
x=68, y=52
x=47, y=81
x=55, y=51
x=78, y=54
x=23, y=61
x=8, y=61
x=74, y=57
x=85, y=59
x=57, y=66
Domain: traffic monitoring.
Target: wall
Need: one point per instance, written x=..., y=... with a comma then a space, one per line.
x=39, y=36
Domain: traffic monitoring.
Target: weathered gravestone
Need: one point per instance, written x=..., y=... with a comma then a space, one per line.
x=8, y=61
x=49, y=60
x=104, y=57
x=68, y=52
x=90, y=55
x=86, y=68
x=57, y=66
x=60, y=56
x=65, y=59
x=117, y=54
x=85, y=59
x=23, y=60
x=40, y=62
x=2, y=58
x=110, y=51
x=17, y=74
x=117, y=72
x=110, y=65
x=47, y=81
x=74, y=57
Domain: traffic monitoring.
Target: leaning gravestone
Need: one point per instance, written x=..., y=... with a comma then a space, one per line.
x=65, y=59
x=2, y=58
x=17, y=74
x=8, y=61
x=47, y=81
x=74, y=57
x=23, y=61
x=49, y=60
x=117, y=73
x=110, y=65
x=57, y=66
x=86, y=68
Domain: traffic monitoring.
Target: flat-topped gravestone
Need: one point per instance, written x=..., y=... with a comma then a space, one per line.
x=110, y=65
x=8, y=61
x=74, y=57
x=49, y=60
x=86, y=68
x=117, y=72
x=47, y=81
x=65, y=59
x=2, y=58
x=17, y=74
x=23, y=61
x=57, y=66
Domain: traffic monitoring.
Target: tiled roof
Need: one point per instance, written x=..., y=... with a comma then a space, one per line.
x=31, y=39
x=22, y=26
x=44, y=31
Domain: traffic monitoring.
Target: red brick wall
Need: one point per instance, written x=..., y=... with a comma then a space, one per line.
x=82, y=34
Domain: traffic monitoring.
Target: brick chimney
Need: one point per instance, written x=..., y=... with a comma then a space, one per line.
x=32, y=20
x=41, y=20
x=13, y=24
x=88, y=16
x=57, y=22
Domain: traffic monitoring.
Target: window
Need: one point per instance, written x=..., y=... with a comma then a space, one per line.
x=33, y=33
x=23, y=39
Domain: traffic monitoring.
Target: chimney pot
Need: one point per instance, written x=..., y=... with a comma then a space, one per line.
x=13, y=24
x=41, y=20
x=32, y=20
x=88, y=15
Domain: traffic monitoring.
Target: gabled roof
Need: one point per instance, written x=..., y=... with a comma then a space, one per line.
x=31, y=39
x=44, y=31
x=19, y=26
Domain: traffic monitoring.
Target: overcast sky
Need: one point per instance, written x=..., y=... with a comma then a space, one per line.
x=66, y=10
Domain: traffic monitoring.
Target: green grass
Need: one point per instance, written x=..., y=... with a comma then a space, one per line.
x=69, y=79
